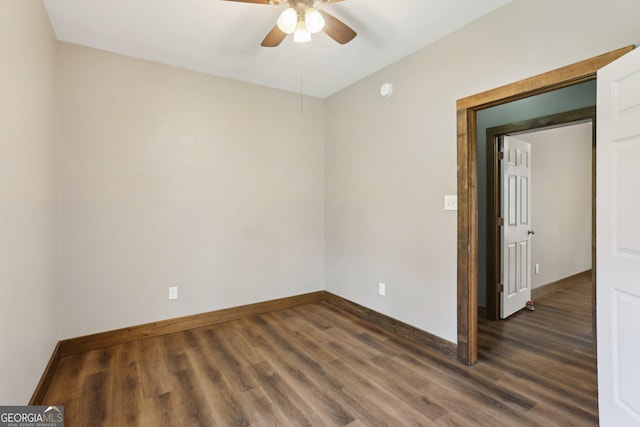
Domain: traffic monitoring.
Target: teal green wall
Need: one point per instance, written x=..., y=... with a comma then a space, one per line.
x=559, y=101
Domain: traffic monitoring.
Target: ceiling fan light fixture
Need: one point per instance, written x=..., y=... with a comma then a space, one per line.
x=313, y=20
x=288, y=20
x=302, y=34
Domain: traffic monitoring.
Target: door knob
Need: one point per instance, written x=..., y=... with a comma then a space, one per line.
x=531, y=232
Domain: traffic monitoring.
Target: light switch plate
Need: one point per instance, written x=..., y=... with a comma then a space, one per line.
x=451, y=203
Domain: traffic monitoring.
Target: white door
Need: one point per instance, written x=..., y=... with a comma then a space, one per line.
x=515, y=233
x=618, y=241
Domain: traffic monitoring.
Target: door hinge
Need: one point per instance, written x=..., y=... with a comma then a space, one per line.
x=501, y=287
x=501, y=221
x=500, y=155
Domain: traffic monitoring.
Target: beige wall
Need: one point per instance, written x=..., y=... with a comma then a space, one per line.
x=28, y=198
x=389, y=162
x=176, y=178
x=560, y=201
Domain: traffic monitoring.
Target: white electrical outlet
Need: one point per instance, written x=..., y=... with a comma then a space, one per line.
x=451, y=203
x=173, y=292
x=537, y=268
x=382, y=289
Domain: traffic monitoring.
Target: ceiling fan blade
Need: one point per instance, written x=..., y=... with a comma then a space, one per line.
x=252, y=1
x=336, y=29
x=274, y=38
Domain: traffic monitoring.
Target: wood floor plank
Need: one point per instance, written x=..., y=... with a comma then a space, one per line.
x=161, y=411
x=127, y=393
x=94, y=401
x=328, y=405
x=216, y=390
x=70, y=384
x=265, y=411
x=319, y=365
x=221, y=351
x=191, y=401
x=154, y=366
x=307, y=372
x=283, y=394
x=464, y=407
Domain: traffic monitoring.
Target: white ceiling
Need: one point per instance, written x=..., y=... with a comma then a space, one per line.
x=223, y=38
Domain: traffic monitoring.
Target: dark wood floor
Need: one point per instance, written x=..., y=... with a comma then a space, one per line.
x=318, y=365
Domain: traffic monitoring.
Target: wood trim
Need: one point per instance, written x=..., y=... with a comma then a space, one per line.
x=559, y=285
x=47, y=376
x=493, y=229
x=561, y=77
x=594, y=317
x=493, y=192
x=164, y=327
x=467, y=180
x=467, y=222
x=392, y=325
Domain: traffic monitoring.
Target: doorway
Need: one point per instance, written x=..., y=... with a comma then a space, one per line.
x=576, y=117
x=467, y=181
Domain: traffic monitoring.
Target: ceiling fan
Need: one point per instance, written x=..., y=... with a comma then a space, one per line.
x=301, y=19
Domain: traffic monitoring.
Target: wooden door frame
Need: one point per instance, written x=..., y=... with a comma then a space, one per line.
x=581, y=115
x=468, y=176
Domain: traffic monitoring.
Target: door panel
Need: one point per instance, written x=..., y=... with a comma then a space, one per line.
x=512, y=200
x=510, y=267
x=627, y=208
x=515, y=257
x=524, y=261
x=618, y=242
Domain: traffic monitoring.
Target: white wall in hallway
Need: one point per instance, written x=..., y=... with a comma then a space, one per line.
x=561, y=201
